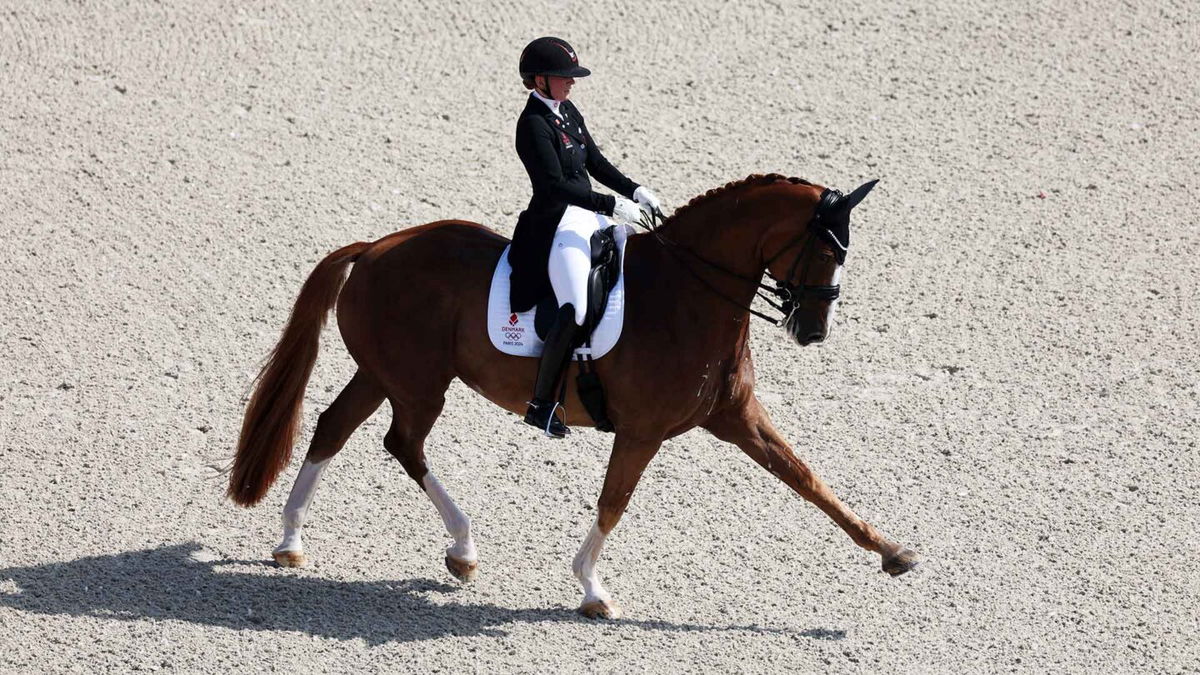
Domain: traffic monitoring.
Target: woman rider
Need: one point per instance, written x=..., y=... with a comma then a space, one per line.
x=551, y=247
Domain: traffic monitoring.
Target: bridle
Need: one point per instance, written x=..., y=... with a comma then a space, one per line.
x=787, y=295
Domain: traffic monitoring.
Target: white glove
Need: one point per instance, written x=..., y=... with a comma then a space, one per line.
x=626, y=212
x=647, y=200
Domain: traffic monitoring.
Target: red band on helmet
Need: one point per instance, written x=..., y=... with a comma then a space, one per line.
x=571, y=54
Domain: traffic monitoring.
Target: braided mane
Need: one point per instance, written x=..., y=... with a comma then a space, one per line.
x=753, y=179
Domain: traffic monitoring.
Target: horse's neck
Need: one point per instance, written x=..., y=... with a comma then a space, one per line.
x=708, y=266
x=678, y=296
x=728, y=230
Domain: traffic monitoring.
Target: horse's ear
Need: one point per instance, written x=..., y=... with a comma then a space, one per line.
x=860, y=193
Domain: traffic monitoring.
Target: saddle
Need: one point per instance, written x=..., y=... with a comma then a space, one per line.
x=522, y=333
x=606, y=267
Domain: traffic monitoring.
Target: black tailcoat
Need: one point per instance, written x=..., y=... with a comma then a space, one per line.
x=558, y=155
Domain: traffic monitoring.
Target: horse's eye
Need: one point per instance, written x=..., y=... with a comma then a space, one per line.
x=825, y=256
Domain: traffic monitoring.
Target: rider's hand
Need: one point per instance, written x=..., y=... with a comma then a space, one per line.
x=647, y=200
x=626, y=212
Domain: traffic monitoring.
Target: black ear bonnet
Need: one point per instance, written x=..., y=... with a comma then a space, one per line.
x=831, y=221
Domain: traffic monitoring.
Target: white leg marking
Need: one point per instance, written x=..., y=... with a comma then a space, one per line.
x=457, y=523
x=296, y=509
x=584, y=567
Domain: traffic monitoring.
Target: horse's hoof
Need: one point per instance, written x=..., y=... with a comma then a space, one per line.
x=903, y=560
x=463, y=570
x=290, y=558
x=599, y=609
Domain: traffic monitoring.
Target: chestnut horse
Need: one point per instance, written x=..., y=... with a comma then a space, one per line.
x=683, y=360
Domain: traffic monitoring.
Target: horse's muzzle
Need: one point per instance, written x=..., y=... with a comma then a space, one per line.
x=805, y=331
x=813, y=338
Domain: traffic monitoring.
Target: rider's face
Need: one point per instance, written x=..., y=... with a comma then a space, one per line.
x=559, y=87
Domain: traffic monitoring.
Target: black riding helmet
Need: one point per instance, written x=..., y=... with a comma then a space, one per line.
x=551, y=56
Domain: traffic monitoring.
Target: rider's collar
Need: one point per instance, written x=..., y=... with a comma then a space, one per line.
x=550, y=103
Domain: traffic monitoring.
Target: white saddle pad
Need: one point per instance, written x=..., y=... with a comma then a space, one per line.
x=513, y=333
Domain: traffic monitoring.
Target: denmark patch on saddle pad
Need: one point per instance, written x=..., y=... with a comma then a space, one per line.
x=514, y=334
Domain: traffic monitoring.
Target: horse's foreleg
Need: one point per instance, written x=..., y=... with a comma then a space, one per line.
x=751, y=430
x=625, y=466
x=406, y=442
x=358, y=400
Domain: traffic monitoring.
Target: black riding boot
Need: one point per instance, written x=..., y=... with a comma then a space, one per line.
x=555, y=355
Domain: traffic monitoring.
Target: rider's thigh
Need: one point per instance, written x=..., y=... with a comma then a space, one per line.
x=571, y=258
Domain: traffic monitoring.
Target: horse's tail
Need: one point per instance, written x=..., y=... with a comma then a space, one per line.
x=273, y=413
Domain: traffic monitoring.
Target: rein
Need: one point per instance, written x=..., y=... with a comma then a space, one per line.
x=783, y=290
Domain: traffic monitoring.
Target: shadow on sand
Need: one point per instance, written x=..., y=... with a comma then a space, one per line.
x=169, y=583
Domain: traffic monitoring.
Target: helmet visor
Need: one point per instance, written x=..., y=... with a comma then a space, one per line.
x=574, y=71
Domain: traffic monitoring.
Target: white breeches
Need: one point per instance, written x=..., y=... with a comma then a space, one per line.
x=571, y=258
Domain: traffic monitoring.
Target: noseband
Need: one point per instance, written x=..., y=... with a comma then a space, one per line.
x=787, y=295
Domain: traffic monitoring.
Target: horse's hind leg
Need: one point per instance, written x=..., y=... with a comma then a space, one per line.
x=352, y=407
x=411, y=423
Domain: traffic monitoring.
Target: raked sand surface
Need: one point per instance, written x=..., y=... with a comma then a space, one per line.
x=1011, y=387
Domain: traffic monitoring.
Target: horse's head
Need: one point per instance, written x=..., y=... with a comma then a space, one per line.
x=806, y=259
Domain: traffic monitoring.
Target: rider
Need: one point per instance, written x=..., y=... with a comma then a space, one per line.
x=551, y=248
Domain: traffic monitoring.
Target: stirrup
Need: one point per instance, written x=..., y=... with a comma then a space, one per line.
x=550, y=425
